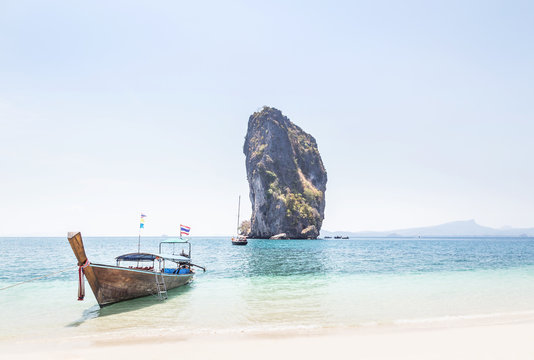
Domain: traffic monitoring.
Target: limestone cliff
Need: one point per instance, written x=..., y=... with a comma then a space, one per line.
x=286, y=177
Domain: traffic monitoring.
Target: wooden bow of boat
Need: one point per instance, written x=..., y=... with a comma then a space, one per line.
x=76, y=243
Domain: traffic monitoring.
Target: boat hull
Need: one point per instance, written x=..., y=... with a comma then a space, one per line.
x=239, y=242
x=116, y=283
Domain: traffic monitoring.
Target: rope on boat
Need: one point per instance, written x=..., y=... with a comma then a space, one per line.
x=81, y=283
x=37, y=278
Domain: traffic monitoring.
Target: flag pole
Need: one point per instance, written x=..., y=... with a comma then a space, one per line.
x=141, y=226
x=238, y=213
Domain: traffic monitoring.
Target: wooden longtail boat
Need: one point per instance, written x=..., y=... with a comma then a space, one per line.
x=114, y=283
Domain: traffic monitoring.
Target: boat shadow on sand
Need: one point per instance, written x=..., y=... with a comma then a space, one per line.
x=96, y=311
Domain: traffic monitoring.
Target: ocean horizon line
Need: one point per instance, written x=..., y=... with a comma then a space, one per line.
x=327, y=237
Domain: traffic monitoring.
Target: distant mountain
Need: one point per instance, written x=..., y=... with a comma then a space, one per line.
x=456, y=228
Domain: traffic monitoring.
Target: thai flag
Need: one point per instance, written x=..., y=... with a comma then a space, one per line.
x=184, y=230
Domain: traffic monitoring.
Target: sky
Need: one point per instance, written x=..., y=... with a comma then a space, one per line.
x=422, y=110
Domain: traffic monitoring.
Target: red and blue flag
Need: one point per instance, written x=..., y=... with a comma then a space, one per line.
x=184, y=230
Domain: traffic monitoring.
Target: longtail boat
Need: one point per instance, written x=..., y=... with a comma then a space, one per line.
x=114, y=283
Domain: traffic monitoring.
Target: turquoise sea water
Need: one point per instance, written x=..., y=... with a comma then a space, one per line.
x=272, y=286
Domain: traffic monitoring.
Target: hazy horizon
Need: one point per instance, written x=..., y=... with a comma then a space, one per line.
x=422, y=111
x=348, y=231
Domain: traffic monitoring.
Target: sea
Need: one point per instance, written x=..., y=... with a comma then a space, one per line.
x=274, y=286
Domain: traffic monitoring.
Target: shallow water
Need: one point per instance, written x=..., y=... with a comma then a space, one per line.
x=274, y=285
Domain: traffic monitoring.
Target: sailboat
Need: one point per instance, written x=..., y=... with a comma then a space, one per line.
x=239, y=239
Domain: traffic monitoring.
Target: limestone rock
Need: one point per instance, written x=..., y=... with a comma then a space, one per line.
x=286, y=176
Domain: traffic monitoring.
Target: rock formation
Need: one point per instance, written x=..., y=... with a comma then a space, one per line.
x=286, y=177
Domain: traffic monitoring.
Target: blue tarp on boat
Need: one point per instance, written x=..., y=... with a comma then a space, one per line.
x=177, y=271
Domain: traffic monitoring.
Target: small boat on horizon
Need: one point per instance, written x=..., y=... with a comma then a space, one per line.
x=239, y=239
x=115, y=283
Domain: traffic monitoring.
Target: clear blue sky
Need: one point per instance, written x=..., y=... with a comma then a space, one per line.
x=423, y=111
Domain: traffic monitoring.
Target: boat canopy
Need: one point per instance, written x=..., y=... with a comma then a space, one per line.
x=175, y=241
x=151, y=257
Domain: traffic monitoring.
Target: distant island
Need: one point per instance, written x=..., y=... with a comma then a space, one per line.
x=286, y=177
x=468, y=228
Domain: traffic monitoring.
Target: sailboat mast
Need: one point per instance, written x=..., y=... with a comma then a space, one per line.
x=238, y=211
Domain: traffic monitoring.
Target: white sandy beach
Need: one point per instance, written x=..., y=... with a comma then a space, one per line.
x=501, y=341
